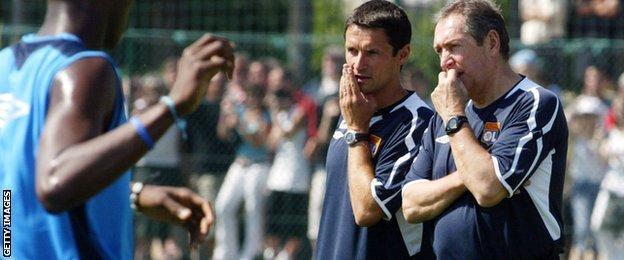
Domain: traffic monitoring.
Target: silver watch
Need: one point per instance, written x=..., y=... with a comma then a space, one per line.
x=352, y=137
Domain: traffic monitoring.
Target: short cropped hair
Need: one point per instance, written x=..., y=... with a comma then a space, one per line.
x=381, y=14
x=481, y=17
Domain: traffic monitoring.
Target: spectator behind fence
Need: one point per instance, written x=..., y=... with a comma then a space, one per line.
x=597, y=19
x=542, y=20
x=257, y=74
x=206, y=157
x=289, y=177
x=586, y=169
x=610, y=121
x=245, y=180
x=596, y=83
x=280, y=78
x=148, y=89
x=529, y=64
x=169, y=70
x=160, y=166
x=325, y=93
x=607, y=219
x=235, y=90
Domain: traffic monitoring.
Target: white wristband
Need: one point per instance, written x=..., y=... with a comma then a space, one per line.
x=135, y=190
x=180, y=122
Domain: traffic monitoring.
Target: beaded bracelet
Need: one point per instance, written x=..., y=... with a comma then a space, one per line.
x=135, y=191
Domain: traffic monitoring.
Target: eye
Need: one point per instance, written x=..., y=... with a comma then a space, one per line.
x=438, y=51
x=352, y=51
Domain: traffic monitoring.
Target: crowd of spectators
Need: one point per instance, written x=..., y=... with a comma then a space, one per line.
x=257, y=144
x=255, y=147
x=595, y=171
x=544, y=20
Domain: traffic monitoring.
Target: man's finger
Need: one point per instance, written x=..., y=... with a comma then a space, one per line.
x=202, y=212
x=214, y=48
x=206, y=218
x=198, y=224
x=452, y=74
x=343, y=81
x=204, y=39
x=229, y=72
x=215, y=63
x=441, y=77
x=180, y=213
x=352, y=87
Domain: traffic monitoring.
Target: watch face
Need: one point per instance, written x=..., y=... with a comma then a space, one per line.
x=452, y=123
x=349, y=137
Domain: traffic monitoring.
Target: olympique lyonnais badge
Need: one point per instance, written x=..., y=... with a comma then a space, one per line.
x=375, y=142
x=490, y=132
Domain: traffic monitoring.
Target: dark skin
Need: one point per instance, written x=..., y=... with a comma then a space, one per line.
x=73, y=166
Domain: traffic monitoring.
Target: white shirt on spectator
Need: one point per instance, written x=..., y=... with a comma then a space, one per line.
x=543, y=20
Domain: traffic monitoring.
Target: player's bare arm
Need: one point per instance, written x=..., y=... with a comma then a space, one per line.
x=471, y=159
x=357, y=110
x=74, y=161
x=425, y=199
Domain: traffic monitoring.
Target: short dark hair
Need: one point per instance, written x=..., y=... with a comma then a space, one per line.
x=481, y=17
x=384, y=15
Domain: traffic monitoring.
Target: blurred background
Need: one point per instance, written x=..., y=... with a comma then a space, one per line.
x=275, y=116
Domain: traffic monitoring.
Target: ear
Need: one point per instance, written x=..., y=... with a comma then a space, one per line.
x=492, y=42
x=404, y=54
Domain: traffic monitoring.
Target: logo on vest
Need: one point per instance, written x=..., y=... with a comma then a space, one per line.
x=491, y=132
x=375, y=143
x=11, y=108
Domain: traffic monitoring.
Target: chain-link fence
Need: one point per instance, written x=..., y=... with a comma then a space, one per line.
x=295, y=34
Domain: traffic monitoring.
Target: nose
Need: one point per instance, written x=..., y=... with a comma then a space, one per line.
x=359, y=62
x=446, y=61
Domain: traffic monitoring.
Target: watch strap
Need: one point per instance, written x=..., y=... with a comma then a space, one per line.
x=357, y=137
x=456, y=126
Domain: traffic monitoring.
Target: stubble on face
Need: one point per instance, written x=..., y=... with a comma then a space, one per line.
x=370, y=54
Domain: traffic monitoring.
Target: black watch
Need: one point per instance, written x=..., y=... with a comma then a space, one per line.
x=454, y=124
x=353, y=137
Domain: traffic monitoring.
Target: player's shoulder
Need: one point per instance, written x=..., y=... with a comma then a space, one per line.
x=415, y=102
x=530, y=95
x=90, y=82
x=412, y=106
x=89, y=72
x=535, y=90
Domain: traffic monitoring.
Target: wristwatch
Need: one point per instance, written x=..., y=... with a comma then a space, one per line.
x=353, y=137
x=454, y=124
